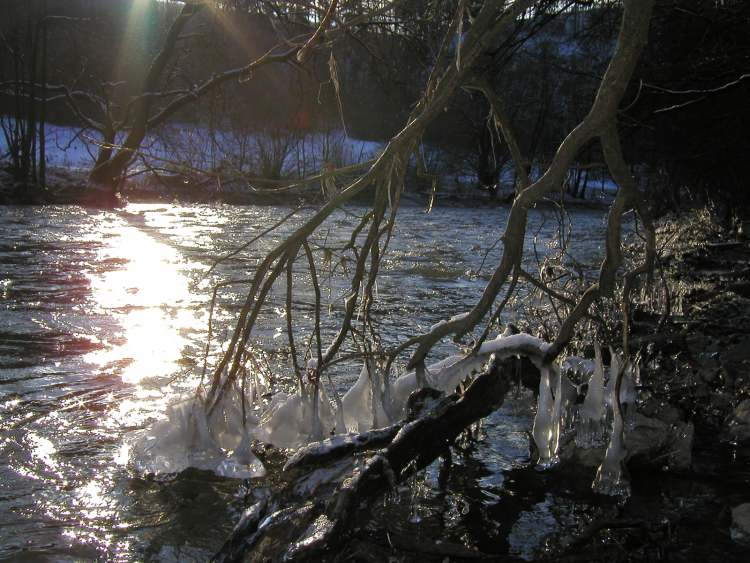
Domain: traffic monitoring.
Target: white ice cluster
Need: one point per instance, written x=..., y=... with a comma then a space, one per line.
x=555, y=413
x=591, y=431
x=362, y=404
x=189, y=438
x=221, y=442
x=628, y=396
x=600, y=421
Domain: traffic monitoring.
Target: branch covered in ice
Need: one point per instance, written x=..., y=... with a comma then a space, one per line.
x=319, y=453
x=187, y=438
x=312, y=527
x=446, y=374
x=220, y=442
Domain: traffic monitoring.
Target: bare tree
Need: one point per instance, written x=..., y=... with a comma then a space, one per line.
x=317, y=525
x=123, y=127
x=386, y=179
x=24, y=131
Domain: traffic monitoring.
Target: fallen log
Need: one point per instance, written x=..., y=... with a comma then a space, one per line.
x=294, y=526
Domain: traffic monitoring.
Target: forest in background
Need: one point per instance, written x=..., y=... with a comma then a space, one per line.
x=85, y=63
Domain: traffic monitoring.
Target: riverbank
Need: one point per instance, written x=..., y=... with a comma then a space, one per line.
x=68, y=186
x=699, y=350
x=691, y=331
x=705, y=360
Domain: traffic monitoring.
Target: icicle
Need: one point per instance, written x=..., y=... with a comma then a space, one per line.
x=628, y=395
x=564, y=399
x=340, y=424
x=292, y=419
x=338, y=413
x=557, y=415
x=612, y=476
x=609, y=391
x=363, y=402
x=284, y=423
x=311, y=406
x=388, y=405
x=203, y=452
x=542, y=430
x=356, y=403
x=379, y=416
x=591, y=431
x=229, y=420
x=326, y=414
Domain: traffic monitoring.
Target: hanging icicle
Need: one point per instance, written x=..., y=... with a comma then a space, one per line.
x=543, y=422
x=612, y=475
x=591, y=431
x=628, y=395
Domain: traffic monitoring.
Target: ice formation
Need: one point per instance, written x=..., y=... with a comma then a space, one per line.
x=554, y=413
x=362, y=404
x=441, y=375
x=185, y=439
x=543, y=421
x=583, y=367
x=295, y=420
x=222, y=442
x=446, y=374
x=612, y=477
x=565, y=394
x=628, y=394
x=591, y=431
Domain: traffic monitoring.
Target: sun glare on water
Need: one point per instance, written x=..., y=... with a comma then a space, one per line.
x=142, y=286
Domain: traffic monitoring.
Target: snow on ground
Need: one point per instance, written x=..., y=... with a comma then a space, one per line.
x=67, y=146
x=270, y=153
x=203, y=149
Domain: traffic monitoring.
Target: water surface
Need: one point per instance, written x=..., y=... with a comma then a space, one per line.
x=103, y=318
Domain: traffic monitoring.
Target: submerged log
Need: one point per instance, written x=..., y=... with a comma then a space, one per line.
x=292, y=526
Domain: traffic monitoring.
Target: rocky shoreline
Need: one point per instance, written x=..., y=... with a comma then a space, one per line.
x=702, y=362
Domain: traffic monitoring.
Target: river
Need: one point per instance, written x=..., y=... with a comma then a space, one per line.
x=103, y=320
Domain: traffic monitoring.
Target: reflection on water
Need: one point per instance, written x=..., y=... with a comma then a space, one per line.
x=98, y=330
x=146, y=292
x=103, y=323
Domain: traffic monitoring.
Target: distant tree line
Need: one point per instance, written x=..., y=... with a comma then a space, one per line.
x=91, y=63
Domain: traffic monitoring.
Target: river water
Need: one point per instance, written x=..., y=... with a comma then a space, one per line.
x=103, y=320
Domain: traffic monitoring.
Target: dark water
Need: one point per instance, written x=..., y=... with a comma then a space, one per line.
x=103, y=322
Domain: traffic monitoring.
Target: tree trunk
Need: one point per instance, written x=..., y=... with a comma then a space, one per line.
x=111, y=165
